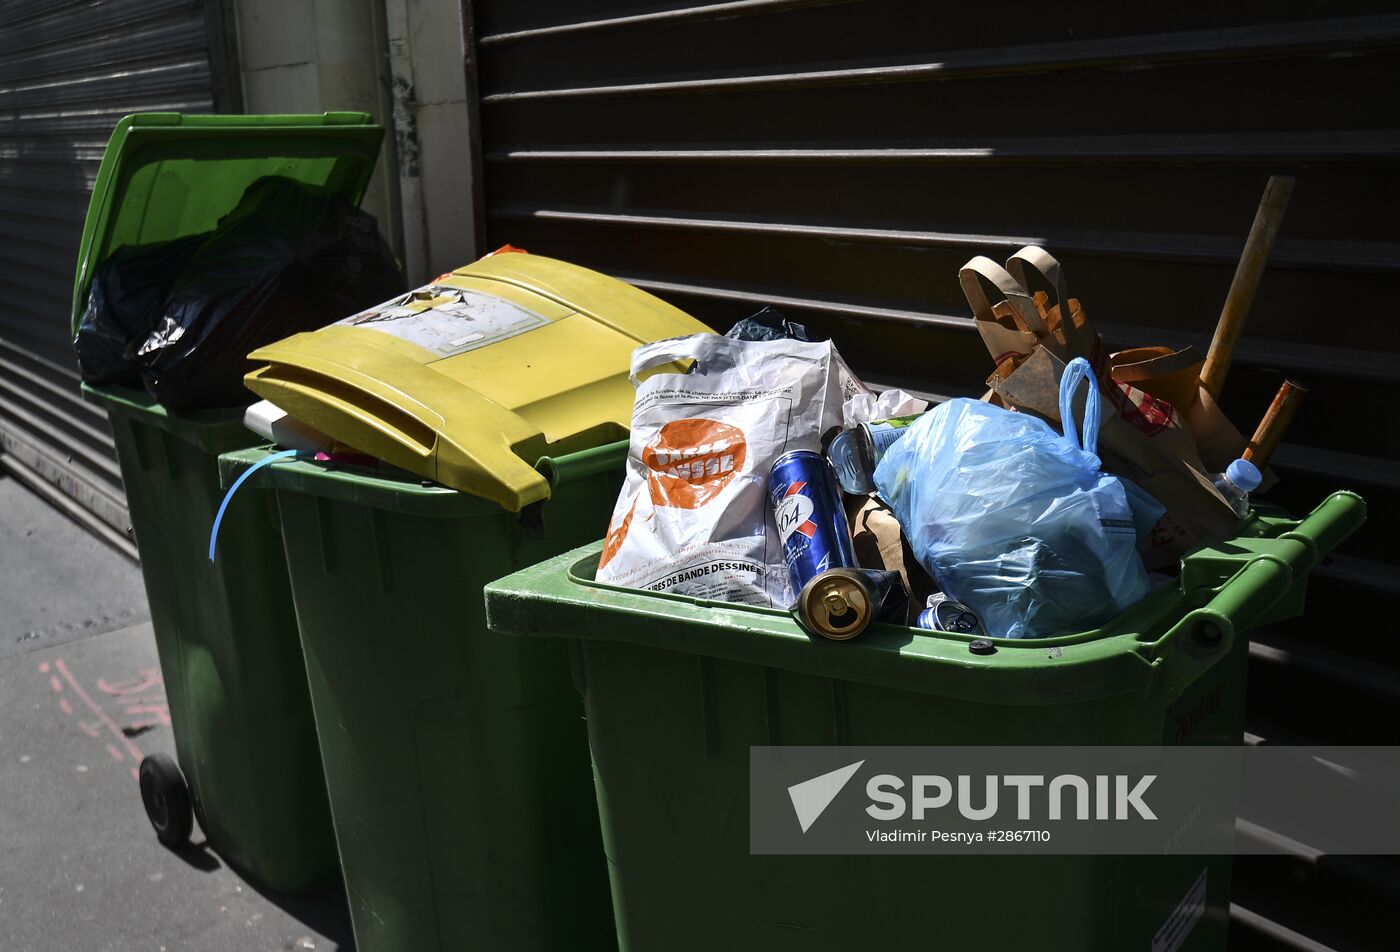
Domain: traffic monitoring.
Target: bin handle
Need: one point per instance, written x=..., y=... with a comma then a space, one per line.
x=1244, y=598
x=570, y=467
x=1239, y=604
x=1327, y=526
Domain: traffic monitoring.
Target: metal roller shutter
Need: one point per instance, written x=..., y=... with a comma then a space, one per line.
x=68, y=72
x=842, y=159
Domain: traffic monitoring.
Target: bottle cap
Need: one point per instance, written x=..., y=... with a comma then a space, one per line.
x=1245, y=475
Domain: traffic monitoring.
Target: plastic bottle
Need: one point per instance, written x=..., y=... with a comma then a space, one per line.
x=855, y=452
x=1239, y=480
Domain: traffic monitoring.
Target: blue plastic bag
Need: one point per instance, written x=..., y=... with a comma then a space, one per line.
x=1016, y=521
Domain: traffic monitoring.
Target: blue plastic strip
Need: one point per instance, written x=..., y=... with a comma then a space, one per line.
x=275, y=457
x=1077, y=370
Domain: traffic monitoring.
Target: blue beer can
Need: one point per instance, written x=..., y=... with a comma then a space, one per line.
x=944, y=614
x=811, y=522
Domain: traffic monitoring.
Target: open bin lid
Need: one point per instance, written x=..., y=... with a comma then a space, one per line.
x=166, y=175
x=471, y=380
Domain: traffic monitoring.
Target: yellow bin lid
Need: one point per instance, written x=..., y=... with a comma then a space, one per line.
x=471, y=379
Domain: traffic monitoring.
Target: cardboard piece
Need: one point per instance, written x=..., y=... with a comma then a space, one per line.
x=879, y=544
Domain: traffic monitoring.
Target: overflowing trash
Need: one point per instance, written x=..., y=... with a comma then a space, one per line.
x=762, y=471
x=1036, y=511
x=181, y=317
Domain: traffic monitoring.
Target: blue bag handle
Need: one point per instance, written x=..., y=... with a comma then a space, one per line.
x=1079, y=370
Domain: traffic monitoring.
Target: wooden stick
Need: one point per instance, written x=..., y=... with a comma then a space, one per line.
x=1275, y=423
x=1246, y=281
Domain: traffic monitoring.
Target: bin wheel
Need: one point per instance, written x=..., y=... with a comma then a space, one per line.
x=166, y=797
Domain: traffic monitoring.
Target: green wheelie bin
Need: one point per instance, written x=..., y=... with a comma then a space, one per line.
x=248, y=766
x=456, y=759
x=676, y=690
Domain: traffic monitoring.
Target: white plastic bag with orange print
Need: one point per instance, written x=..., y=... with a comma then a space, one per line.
x=693, y=516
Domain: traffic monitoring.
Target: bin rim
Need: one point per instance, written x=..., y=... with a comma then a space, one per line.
x=214, y=431
x=1223, y=591
x=559, y=598
x=399, y=490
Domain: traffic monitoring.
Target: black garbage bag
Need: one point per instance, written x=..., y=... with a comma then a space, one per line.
x=289, y=258
x=125, y=301
x=768, y=324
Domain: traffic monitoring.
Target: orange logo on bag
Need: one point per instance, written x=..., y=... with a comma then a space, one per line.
x=616, y=536
x=691, y=461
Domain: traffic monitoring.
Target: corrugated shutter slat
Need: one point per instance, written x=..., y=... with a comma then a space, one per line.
x=68, y=72
x=840, y=160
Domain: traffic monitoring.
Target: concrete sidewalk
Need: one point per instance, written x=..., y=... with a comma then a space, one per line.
x=81, y=701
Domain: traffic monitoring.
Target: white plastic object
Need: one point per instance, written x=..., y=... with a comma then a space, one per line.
x=271, y=422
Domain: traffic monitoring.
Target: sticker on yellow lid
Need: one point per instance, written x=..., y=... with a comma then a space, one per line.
x=448, y=320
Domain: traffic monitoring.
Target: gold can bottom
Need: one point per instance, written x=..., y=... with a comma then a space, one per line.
x=836, y=604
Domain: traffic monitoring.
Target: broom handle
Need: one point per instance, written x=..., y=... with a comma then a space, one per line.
x=1246, y=281
x=1275, y=423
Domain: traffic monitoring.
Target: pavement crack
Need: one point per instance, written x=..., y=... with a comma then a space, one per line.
x=37, y=638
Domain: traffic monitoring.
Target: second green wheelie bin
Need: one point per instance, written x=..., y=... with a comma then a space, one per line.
x=225, y=632
x=676, y=690
x=456, y=759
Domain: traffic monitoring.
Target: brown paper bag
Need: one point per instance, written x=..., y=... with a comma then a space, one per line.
x=1019, y=321
x=1075, y=337
x=1150, y=446
x=1154, y=381
x=1174, y=376
x=879, y=544
x=1170, y=375
x=1013, y=327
